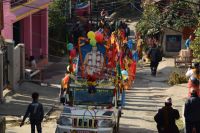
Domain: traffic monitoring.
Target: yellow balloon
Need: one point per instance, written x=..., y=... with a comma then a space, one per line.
x=91, y=35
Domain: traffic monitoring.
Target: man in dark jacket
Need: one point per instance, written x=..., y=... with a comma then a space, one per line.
x=155, y=56
x=166, y=118
x=36, y=114
x=192, y=113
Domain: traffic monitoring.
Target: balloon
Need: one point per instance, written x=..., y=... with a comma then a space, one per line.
x=124, y=77
x=99, y=37
x=70, y=46
x=91, y=35
x=73, y=53
x=124, y=74
x=93, y=42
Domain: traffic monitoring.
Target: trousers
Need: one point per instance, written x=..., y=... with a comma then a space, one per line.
x=154, y=66
x=190, y=127
x=37, y=125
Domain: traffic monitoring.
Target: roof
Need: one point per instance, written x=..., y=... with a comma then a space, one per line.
x=25, y=10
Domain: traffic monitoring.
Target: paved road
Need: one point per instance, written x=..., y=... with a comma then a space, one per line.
x=147, y=96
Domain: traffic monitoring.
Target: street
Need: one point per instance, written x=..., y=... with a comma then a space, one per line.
x=98, y=57
x=142, y=102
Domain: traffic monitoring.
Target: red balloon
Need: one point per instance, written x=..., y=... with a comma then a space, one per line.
x=73, y=53
x=99, y=37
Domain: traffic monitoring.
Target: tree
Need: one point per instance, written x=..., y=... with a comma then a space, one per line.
x=195, y=46
x=174, y=15
x=151, y=21
x=180, y=14
x=57, y=27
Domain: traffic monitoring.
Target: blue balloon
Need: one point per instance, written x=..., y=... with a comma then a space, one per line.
x=124, y=72
x=70, y=46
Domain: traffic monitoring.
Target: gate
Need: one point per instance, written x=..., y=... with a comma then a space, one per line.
x=4, y=49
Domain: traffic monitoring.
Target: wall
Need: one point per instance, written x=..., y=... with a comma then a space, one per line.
x=171, y=32
x=17, y=64
x=9, y=19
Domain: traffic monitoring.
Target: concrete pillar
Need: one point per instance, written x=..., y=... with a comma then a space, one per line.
x=44, y=33
x=10, y=45
x=1, y=76
x=22, y=60
x=27, y=35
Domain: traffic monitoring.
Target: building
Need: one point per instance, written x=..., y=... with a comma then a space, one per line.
x=26, y=21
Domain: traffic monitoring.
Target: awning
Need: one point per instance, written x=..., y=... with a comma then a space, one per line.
x=25, y=10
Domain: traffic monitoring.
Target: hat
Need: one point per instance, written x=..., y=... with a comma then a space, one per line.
x=168, y=100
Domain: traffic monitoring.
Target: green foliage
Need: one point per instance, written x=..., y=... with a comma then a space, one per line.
x=180, y=14
x=195, y=46
x=177, y=77
x=176, y=15
x=57, y=13
x=57, y=27
x=150, y=22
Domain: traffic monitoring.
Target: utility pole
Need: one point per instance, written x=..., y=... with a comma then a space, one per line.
x=97, y=12
x=1, y=16
x=70, y=9
x=91, y=11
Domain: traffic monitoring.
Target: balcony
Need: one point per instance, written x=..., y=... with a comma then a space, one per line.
x=15, y=3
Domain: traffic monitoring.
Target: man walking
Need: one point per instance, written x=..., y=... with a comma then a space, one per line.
x=166, y=118
x=36, y=114
x=191, y=113
x=155, y=56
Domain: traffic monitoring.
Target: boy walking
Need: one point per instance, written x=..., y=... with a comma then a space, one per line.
x=36, y=114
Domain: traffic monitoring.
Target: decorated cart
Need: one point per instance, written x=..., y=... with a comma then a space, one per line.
x=100, y=72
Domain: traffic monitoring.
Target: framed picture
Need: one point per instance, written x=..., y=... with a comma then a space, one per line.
x=173, y=43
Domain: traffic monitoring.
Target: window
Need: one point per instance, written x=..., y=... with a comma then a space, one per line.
x=173, y=43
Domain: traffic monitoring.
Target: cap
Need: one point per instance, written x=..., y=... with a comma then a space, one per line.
x=168, y=100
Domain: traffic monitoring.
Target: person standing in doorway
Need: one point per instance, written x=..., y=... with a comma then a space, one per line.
x=191, y=113
x=36, y=114
x=166, y=118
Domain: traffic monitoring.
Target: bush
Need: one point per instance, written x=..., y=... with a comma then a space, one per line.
x=177, y=78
